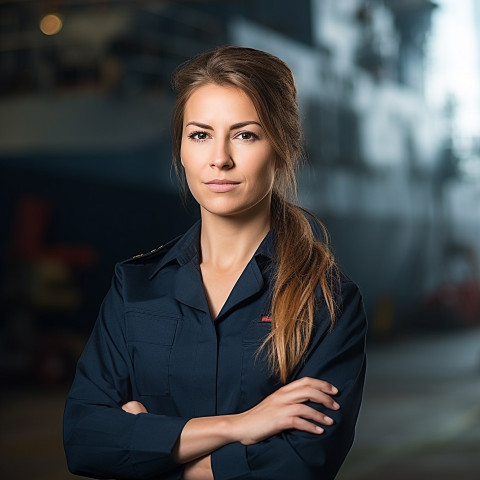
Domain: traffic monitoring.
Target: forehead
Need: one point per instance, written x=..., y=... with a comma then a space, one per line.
x=219, y=102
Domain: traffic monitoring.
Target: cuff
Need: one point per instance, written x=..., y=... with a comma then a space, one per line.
x=153, y=440
x=230, y=462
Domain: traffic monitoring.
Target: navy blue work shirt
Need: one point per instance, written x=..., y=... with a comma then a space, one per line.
x=155, y=342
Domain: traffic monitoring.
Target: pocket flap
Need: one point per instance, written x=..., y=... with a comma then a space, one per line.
x=257, y=331
x=151, y=327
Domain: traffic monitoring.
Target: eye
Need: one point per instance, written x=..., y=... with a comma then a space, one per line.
x=198, y=136
x=247, y=136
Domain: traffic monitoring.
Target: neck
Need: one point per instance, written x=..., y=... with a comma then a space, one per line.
x=227, y=242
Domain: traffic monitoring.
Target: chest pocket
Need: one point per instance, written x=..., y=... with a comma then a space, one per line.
x=150, y=338
x=256, y=381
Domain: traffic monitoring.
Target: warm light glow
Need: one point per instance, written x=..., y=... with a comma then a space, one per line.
x=51, y=24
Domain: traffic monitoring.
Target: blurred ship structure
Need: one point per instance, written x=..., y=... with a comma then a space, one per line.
x=85, y=97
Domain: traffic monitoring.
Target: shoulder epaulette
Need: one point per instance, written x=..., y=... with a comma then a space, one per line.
x=146, y=254
x=162, y=249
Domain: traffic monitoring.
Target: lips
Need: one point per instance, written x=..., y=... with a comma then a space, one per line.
x=221, y=186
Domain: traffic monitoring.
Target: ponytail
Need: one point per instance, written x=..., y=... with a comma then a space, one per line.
x=303, y=264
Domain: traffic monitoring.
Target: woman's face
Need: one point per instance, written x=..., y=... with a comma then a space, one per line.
x=228, y=160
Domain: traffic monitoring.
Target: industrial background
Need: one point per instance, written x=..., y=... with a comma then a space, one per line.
x=389, y=92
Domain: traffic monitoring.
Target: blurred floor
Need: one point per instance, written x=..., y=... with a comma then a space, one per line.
x=421, y=413
x=30, y=436
x=420, y=417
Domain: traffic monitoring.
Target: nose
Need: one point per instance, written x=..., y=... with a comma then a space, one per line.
x=222, y=158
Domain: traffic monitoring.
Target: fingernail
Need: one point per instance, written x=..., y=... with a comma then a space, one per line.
x=319, y=429
x=334, y=389
x=336, y=405
x=329, y=420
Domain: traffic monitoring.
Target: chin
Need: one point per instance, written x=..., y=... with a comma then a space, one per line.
x=232, y=211
x=222, y=212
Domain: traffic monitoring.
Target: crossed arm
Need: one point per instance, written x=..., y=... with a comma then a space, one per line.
x=282, y=410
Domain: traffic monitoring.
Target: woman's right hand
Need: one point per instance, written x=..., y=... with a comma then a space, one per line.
x=282, y=410
x=285, y=409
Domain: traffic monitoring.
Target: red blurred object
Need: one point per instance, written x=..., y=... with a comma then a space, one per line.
x=33, y=215
x=32, y=220
x=40, y=284
x=454, y=305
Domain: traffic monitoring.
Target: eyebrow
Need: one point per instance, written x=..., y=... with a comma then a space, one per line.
x=233, y=127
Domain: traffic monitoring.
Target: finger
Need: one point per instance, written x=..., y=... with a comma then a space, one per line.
x=316, y=383
x=309, y=413
x=322, y=385
x=306, y=426
x=308, y=393
x=134, y=407
x=127, y=409
x=313, y=395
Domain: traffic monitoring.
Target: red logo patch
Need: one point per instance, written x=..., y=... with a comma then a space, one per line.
x=266, y=318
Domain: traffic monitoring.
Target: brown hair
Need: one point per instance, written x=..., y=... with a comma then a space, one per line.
x=303, y=262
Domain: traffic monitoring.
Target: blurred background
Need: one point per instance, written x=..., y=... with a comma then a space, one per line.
x=389, y=92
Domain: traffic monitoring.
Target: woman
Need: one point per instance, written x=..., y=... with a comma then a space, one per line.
x=237, y=350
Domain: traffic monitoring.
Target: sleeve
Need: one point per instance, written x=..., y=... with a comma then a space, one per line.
x=337, y=356
x=100, y=439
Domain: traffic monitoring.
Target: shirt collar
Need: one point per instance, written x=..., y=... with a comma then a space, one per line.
x=185, y=249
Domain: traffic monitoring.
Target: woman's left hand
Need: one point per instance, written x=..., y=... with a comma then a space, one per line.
x=134, y=407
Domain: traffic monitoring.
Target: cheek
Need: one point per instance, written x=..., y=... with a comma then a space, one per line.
x=187, y=149
x=186, y=157
x=267, y=173
x=188, y=177
x=192, y=176
x=183, y=153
